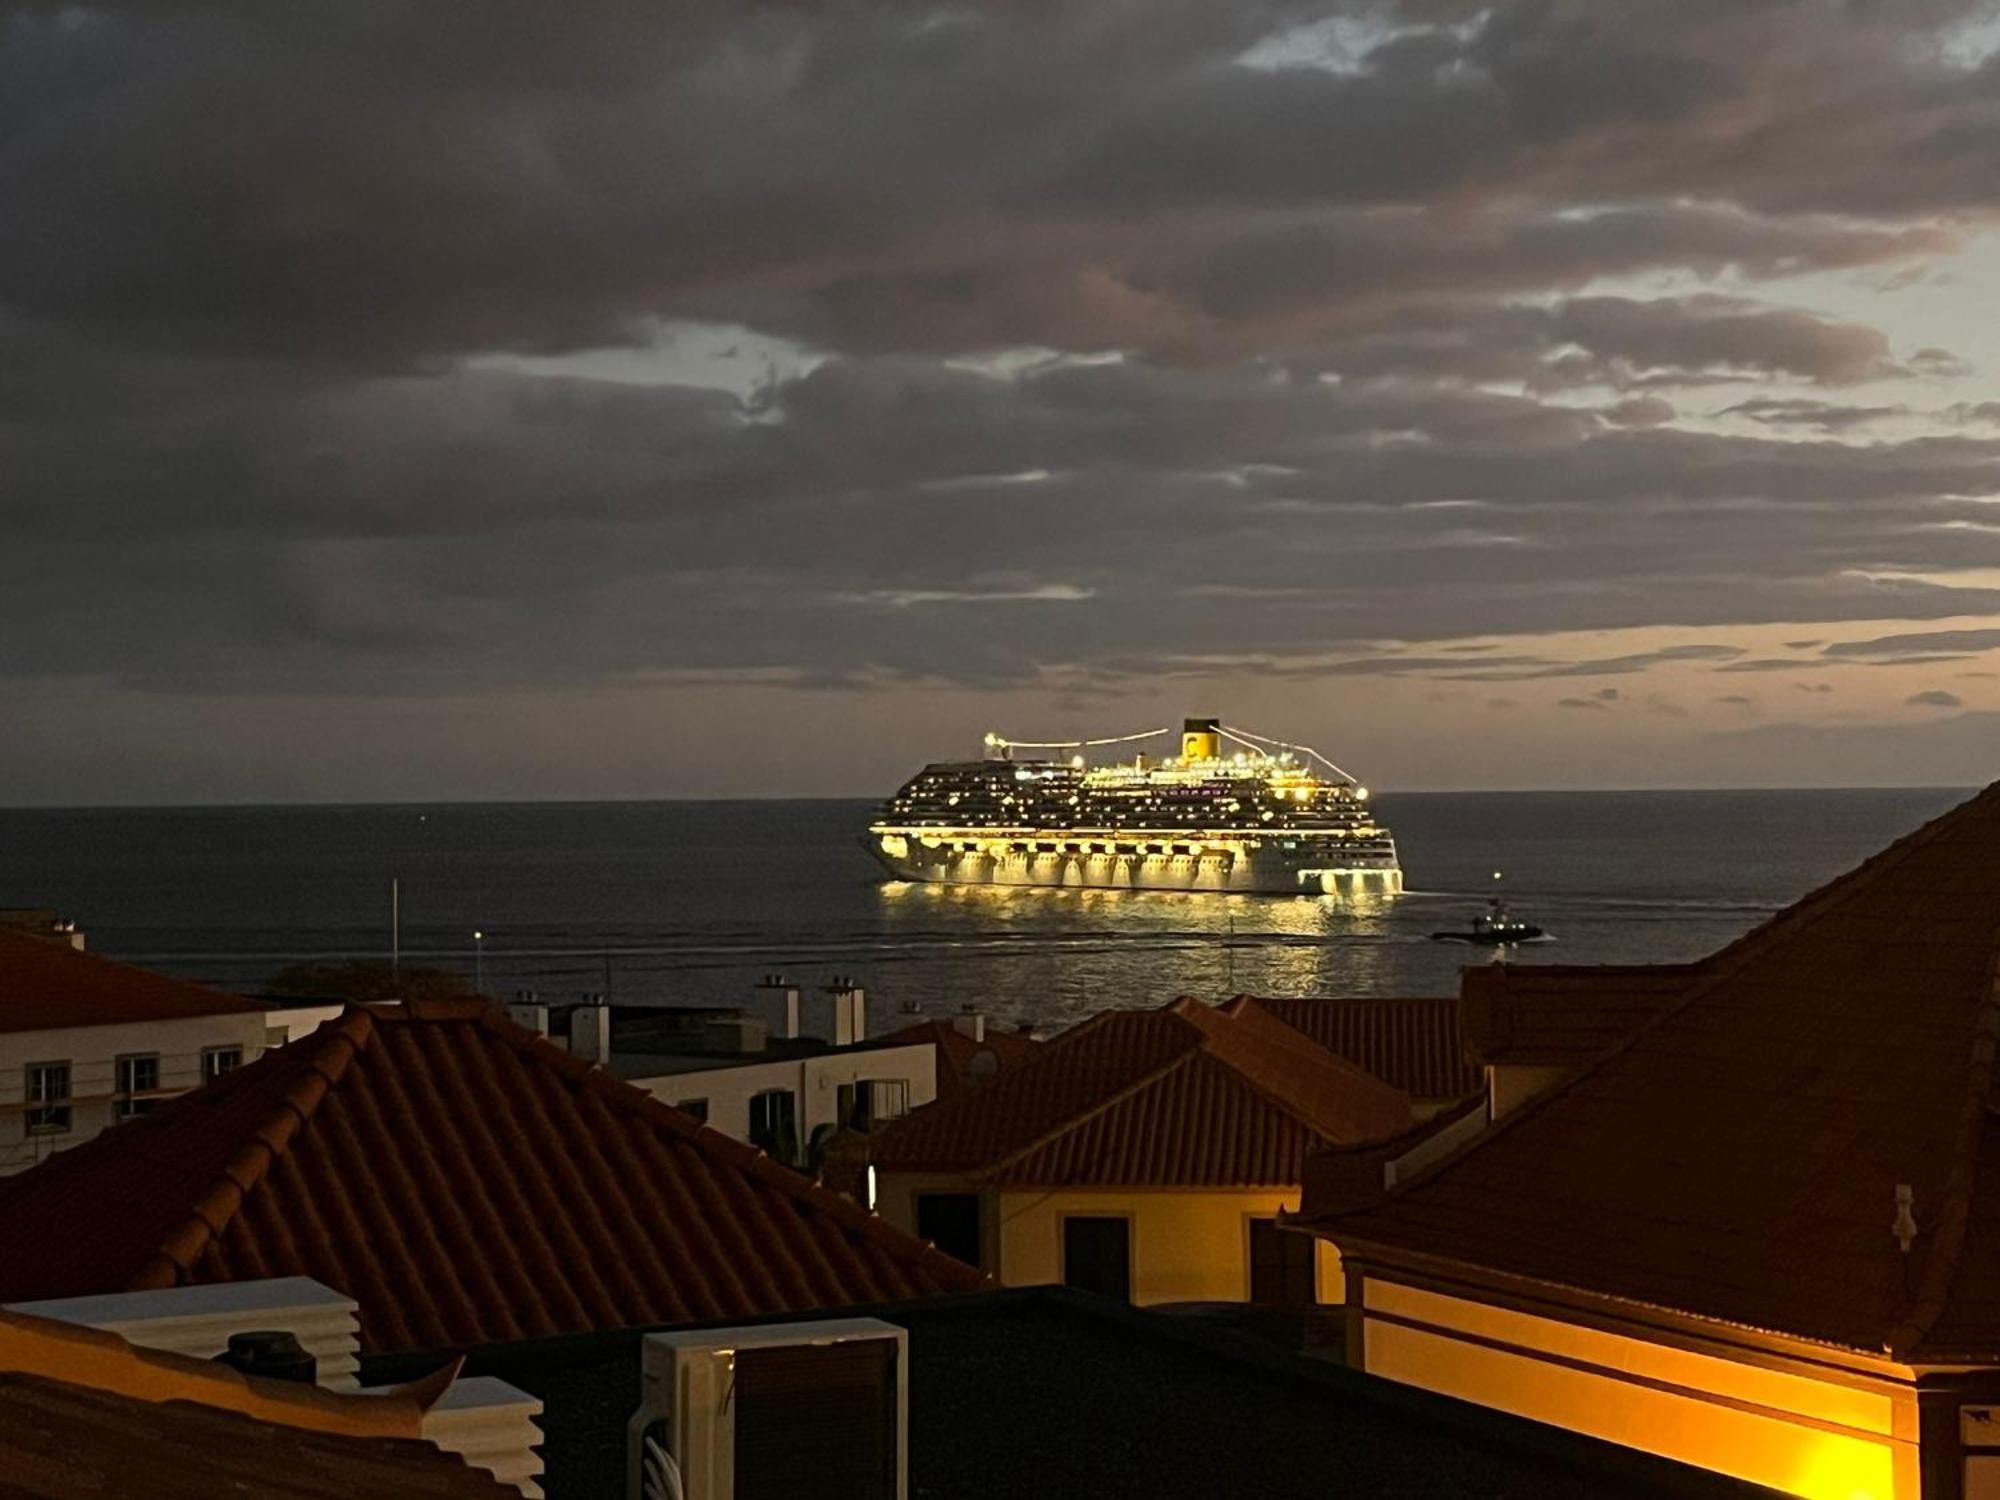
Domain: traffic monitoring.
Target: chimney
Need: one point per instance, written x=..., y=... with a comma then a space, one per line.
x=850, y=1011
x=970, y=1021
x=590, y=1030
x=783, y=996
x=528, y=1011
x=271, y=1353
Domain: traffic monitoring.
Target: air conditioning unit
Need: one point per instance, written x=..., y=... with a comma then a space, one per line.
x=773, y=1412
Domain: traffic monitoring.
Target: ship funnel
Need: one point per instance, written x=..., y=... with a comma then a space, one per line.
x=1201, y=739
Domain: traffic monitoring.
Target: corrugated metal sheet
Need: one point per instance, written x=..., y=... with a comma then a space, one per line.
x=464, y=1181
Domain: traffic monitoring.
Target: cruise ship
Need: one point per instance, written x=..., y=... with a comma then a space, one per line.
x=1234, y=811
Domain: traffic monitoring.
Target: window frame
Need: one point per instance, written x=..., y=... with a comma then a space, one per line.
x=1063, y=1221
x=787, y=1150
x=209, y=1055
x=128, y=1103
x=62, y=1104
x=978, y=1202
x=1285, y=1301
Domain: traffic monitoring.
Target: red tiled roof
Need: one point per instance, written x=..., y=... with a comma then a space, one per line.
x=465, y=1181
x=45, y=985
x=1737, y=1157
x=956, y=1051
x=1187, y=1095
x=1563, y=1013
x=1414, y=1045
x=60, y=1441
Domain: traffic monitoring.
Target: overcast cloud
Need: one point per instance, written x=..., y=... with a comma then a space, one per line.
x=387, y=384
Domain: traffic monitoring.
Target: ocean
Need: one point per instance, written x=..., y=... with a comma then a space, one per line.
x=689, y=902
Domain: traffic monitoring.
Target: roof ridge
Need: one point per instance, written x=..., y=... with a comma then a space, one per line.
x=1716, y=973
x=1117, y=1096
x=1343, y=1067
x=627, y=1099
x=334, y=1047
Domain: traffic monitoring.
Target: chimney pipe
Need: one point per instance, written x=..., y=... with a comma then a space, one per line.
x=850, y=1011
x=971, y=1021
x=590, y=1030
x=782, y=993
x=270, y=1354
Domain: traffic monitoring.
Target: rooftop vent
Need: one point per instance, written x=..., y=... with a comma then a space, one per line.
x=272, y=1354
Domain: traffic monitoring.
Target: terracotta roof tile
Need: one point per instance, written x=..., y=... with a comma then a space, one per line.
x=1563, y=1013
x=956, y=1052
x=46, y=985
x=60, y=1441
x=1188, y=1095
x=465, y=1181
x=1414, y=1045
x=1737, y=1156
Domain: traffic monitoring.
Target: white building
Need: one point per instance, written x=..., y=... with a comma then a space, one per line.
x=784, y=1092
x=86, y=1042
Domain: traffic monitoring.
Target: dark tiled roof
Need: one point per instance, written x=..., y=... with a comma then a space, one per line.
x=60, y=1441
x=1414, y=1045
x=1187, y=1095
x=956, y=1051
x=1556, y=1014
x=44, y=985
x=1043, y=1393
x=464, y=1181
x=1737, y=1158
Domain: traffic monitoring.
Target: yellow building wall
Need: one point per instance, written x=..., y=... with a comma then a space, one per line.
x=1794, y=1433
x=1187, y=1246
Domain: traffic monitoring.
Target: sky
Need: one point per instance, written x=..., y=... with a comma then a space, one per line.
x=507, y=400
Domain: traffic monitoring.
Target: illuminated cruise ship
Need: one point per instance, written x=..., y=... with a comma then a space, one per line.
x=1233, y=811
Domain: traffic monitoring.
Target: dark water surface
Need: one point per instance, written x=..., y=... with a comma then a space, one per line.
x=690, y=901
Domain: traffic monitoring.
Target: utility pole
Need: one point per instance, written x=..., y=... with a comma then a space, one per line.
x=395, y=927
x=479, y=962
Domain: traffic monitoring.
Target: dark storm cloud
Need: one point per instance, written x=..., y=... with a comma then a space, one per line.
x=256, y=264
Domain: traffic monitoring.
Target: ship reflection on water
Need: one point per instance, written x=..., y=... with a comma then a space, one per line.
x=1066, y=954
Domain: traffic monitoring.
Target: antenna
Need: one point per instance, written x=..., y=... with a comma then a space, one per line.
x=395, y=927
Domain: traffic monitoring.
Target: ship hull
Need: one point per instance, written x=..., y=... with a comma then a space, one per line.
x=1251, y=866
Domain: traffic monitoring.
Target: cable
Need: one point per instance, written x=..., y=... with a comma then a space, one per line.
x=1257, y=741
x=1116, y=739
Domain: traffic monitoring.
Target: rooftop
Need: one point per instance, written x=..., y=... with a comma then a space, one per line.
x=464, y=1180
x=1046, y=1392
x=1737, y=1156
x=961, y=1061
x=1187, y=1095
x=83, y=1412
x=1415, y=1045
x=45, y=986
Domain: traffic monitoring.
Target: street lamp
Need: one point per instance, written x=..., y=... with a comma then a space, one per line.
x=479, y=962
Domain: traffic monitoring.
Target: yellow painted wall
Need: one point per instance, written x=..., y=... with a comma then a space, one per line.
x=1792, y=1432
x=1187, y=1246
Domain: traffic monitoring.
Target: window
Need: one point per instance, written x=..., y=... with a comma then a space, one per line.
x=1097, y=1255
x=889, y=1098
x=774, y=1124
x=48, y=1098
x=951, y=1222
x=138, y=1074
x=1282, y=1266
x=215, y=1061
x=695, y=1108
x=871, y=1101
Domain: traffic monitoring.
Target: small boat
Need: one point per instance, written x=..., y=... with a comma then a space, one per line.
x=1496, y=927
